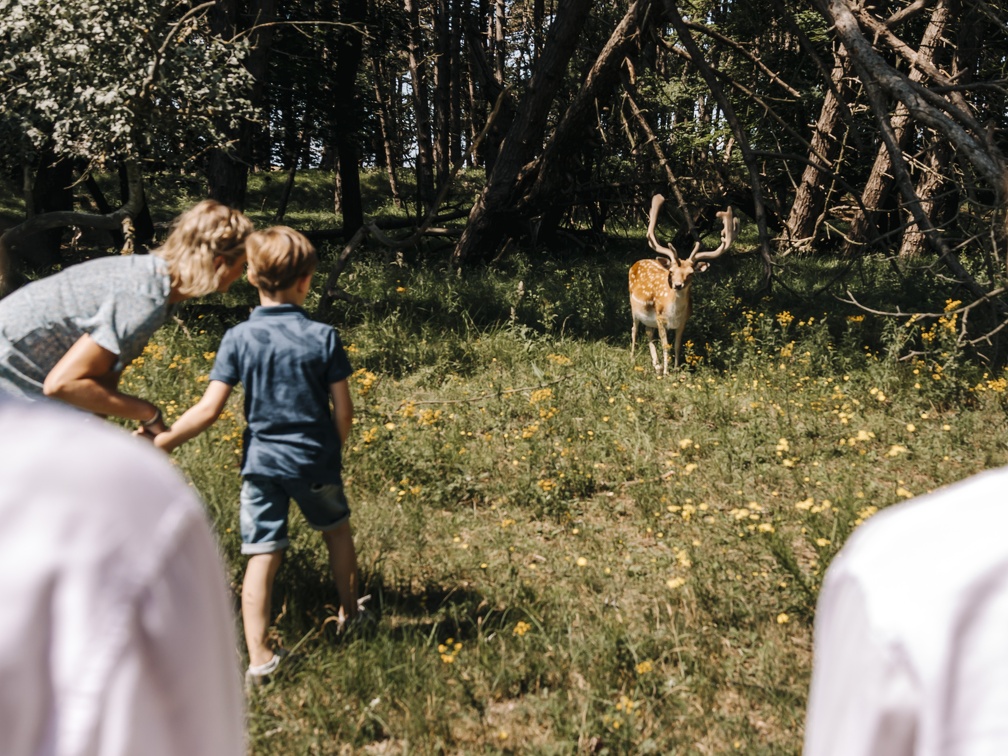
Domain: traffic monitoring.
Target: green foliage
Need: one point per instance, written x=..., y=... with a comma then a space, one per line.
x=118, y=78
x=564, y=552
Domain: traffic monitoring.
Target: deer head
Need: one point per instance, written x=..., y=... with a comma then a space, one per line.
x=681, y=271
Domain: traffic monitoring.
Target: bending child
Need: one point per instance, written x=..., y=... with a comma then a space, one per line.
x=290, y=367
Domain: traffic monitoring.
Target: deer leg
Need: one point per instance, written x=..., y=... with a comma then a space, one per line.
x=651, y=347
x=633, y=338
x=663, y=337
x=678, y=345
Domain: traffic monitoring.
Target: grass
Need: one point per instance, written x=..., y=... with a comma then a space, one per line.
x=565, y=553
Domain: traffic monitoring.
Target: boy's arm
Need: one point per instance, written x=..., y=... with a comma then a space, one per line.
x=342, y=408
x=197, y=418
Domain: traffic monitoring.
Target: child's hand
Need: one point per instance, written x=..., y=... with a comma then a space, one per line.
x=163, y=441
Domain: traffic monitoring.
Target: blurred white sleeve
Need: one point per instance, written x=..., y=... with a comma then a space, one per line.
x=864, y=698
x=177, y=689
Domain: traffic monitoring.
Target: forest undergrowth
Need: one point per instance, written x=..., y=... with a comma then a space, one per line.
x=566, y=553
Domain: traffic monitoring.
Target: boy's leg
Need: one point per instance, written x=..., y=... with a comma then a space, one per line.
x=343, y=564
x=257, y=594
x=263, y=521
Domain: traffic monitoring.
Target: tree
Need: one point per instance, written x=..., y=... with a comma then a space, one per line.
x=944, y=110
x=487, y=218
x=227, y=166
x=78, y=83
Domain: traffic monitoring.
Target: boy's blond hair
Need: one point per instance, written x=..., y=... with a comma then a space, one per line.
x=278, y=257
x=198, y=236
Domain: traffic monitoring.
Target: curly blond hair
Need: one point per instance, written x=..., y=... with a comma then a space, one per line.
x=197, y=237
x=278, y=257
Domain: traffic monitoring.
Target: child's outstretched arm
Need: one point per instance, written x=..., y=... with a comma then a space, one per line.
x=197, y=418
x=342, y=408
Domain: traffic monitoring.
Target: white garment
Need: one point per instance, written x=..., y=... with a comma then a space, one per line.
x=911, y=631
x=116, y=631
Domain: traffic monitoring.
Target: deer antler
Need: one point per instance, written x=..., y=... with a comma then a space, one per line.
x=728, y=233
x=656, y=202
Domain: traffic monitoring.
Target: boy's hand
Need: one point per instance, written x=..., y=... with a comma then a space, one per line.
x=153, y=435
x=163, y=441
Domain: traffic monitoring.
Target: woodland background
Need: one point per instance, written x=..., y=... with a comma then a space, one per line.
x=836, y=128
x=564, y=553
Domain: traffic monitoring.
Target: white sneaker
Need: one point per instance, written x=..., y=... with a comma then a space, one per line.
x=260, y=674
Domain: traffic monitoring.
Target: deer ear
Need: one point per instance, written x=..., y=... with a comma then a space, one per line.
x=664, y=262
x=702, y=266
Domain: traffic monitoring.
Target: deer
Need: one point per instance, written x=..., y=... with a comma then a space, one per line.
x=660, y=287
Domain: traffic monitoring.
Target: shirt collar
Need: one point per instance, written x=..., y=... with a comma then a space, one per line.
x=275, y=310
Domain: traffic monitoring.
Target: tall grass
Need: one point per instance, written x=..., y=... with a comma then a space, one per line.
x=565, y=553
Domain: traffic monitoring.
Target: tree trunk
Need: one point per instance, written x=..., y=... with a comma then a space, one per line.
x=575, y=126
x=498, y=47
x=864, y=227
x=810, y=198
x=293, y=158
x=934, y=188
x=349, y=53
x=932, y=179
x=538, y=14
x=482, y=72
x=388, y=139
x=486, y=225
x=442, y=89
x=227, y=170
x=418, y=75
x=455, y=125
x=50, y=192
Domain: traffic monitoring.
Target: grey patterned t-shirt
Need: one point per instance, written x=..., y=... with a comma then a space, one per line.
x=118, y=301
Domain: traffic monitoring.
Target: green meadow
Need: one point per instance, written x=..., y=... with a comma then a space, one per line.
x=564, y=552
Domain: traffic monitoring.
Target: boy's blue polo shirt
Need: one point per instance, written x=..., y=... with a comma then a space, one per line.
x=286, y=362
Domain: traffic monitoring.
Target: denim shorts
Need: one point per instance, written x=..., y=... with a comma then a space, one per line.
x=265, y=503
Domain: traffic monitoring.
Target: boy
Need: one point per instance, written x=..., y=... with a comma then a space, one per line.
x=290, y=366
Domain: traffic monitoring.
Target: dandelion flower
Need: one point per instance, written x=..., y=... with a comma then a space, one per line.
x=540, y=395
x=521, y=628
x=783, y=618
x=676, y=582
x=582, y=562
x=644, y=667
x=901, y=491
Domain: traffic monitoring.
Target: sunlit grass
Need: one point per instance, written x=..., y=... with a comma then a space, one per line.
x=566, y=553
